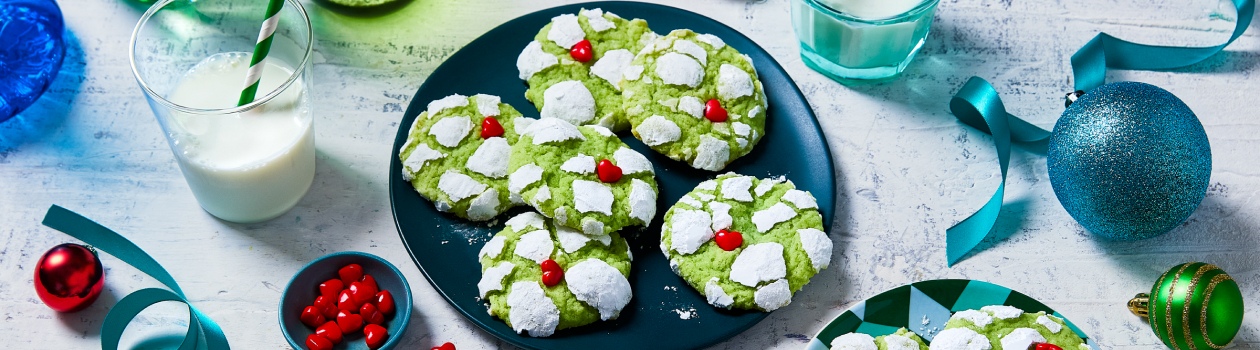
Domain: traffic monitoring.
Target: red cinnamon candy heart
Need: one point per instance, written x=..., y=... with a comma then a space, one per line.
x=552, y=274
x=311, y=317
x=385, y=302
x=1044, y=346
x=317, y=342
x=349, y=322
x=331, y=288
x=345, y=302
x=728, y=240
x=362, y=292
x=608, y=172
x=371, y=314
x=490, y=127
x=326, y=306
x=444, y=346
x=582, y=51
x=375, y=336
x=350, y=274
x=370, y=281
x=330, y=331
x=714, y=112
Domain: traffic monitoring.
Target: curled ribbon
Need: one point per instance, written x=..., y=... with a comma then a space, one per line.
x=978, y=105
x=202, y=331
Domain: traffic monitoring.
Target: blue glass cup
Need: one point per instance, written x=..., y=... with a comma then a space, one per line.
x=856, y=45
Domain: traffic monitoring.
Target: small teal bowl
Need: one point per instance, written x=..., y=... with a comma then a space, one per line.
x=304, y=287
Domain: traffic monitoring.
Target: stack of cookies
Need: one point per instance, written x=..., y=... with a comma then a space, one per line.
x=743, y=242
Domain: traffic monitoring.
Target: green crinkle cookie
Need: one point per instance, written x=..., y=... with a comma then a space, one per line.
x=582, y=92
x=594, y=286
x=903, y=339
x=783, y=241
x=666, y=90
x=448, y=162
x=1009, y=326
x=554, y=169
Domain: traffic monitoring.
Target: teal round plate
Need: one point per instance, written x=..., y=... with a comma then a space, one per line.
x=924, y=307
x=445, y=247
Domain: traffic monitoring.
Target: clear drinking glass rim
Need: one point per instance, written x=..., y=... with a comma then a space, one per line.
x=131, y=55
x=902, y=17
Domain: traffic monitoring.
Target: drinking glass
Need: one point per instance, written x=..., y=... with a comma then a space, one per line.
x=246, y=163
x=846, y=47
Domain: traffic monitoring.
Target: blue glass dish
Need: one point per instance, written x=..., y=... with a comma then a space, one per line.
x=31, y=51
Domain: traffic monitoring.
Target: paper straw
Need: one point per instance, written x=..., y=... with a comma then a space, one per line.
x=257, y=61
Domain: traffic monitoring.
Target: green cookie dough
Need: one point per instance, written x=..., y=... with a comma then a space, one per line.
x=1007, y=327
x=582, y=92
x=554, y=168
x=666, y=90
x=783, y=241
x=594, y=286
x=903, y=339
x=448, y=162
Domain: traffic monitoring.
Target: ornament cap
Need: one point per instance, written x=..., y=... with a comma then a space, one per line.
x=1140, y=305
x=1072, y=97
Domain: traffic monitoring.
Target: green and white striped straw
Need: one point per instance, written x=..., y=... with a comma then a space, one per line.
x=261, y=49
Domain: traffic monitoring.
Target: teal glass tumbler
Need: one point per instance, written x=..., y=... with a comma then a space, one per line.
x=846, y=47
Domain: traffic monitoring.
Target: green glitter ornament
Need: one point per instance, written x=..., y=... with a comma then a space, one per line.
x=1193, y=306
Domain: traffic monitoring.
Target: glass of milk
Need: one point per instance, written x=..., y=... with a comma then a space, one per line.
x=246, y=163
x=861, y=39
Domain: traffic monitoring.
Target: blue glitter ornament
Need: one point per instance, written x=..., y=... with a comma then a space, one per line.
x=1129, y=161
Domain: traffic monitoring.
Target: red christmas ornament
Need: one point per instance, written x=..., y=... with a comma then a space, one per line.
x=582, y=51
x=444, y=346
x=552, y=274
x=1044, y=346
x=375, y=336
x=69, y=277
x=728, y=240
x=714, y=112
x=490, y=127
x=608, y=172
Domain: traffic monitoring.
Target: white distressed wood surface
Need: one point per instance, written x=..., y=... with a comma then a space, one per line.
x=907, y=170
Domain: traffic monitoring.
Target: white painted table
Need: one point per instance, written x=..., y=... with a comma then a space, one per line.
x=907, y=170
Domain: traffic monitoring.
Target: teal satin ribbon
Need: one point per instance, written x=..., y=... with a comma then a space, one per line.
x=977, y=104
x=202, y=331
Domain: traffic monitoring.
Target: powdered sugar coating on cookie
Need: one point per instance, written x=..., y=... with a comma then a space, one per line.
x=565, y=30
x=758, y=263
x=569, y=101
x=533, y=60
x=600, y=285
x=531, y=312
